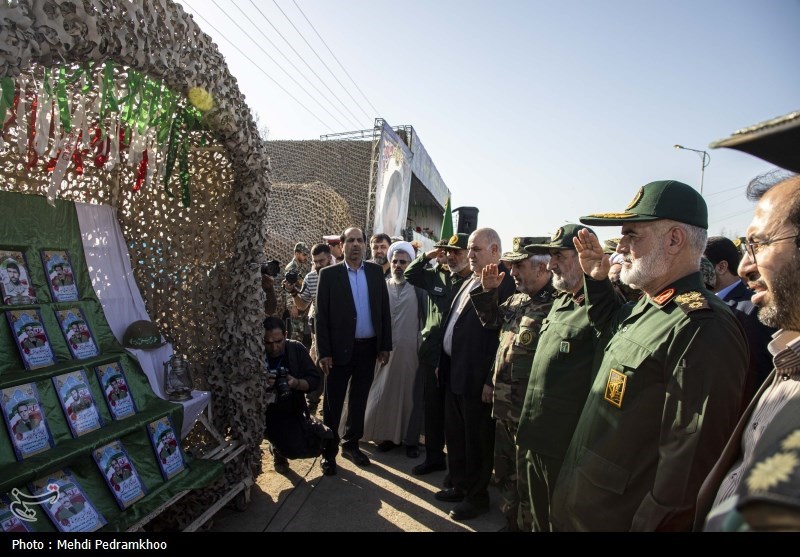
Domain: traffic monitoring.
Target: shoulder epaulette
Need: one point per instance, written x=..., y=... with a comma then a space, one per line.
x=691, y=301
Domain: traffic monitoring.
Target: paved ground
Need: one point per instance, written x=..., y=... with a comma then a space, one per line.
x=383, y=497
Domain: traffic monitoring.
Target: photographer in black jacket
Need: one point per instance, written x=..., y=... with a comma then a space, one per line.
x=289, y=428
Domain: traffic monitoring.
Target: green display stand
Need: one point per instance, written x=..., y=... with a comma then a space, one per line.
x=29, y=224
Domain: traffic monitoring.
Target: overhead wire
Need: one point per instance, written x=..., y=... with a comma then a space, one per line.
x=306, y=63
x=281, y=87
x=276, y=62
x=299, y=71
x=337, y=61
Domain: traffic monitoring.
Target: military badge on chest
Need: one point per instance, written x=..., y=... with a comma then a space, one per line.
x=615, y=387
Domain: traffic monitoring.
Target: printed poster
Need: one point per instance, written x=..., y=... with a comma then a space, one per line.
x=77, y=402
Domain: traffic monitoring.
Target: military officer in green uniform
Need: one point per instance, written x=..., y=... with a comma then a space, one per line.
x=441, y=285
x=519, y=319
x=668, y=386
x=560, y=375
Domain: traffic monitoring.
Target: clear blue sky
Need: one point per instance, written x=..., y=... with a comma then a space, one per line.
x=536, y=112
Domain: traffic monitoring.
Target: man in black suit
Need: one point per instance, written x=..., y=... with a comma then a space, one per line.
x=354, y=329
x=465, y=370
x=722, y=252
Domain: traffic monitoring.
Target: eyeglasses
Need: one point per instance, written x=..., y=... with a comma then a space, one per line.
x=753, y=247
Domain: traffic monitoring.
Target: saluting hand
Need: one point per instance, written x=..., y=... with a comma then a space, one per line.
x=491, y=277
x=593, y=261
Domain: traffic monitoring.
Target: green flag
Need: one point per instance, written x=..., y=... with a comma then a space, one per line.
x=447, y=221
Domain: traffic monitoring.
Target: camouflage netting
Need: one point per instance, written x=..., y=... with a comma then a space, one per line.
x=195, y=265
x=318, y=188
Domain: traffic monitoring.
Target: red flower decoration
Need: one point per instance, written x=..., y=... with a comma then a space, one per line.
x=116, y=487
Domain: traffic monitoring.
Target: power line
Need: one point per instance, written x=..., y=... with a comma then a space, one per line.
x=281, y=87
x=321, y=94
x=273, y=59
x=318, y=57
x=303, y=59
x=733, y=215
x=338, y=62
x=724, y=191
x=736, y=196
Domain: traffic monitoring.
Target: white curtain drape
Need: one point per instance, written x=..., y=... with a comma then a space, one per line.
x=112, y=278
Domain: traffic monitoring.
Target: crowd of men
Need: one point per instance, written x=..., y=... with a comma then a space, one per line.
x=647, y=383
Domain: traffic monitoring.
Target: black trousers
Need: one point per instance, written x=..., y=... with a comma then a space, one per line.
x=469, y=430
x=434, y=415
x=358, y=374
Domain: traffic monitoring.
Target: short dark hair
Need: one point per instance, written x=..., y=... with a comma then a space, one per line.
x=12, y=265
x=271, y=323
x=762, y=183
x=720, y=248
x=381, y=238
x=363, y=235
x=316, y=249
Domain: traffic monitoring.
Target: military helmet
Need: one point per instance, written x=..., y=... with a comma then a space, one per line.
x=143, y=335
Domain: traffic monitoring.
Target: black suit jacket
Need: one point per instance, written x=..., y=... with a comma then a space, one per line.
x=336, y=312
x=474, y=347
x=758, y=337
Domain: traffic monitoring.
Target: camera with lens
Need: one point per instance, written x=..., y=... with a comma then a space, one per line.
x=281, y=384
x=291, y=277
x=271, y=268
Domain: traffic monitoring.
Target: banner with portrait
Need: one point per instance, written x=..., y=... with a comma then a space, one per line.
x=393, y=184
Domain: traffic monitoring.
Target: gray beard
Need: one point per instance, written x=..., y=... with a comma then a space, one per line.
x=397, y=280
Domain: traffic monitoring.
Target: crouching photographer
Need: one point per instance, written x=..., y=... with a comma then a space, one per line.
x=290, y=429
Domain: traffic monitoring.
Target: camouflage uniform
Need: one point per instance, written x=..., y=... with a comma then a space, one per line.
x=519, y=319
x=297, y=325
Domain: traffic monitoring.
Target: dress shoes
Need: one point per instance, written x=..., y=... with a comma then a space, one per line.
x=328, y=466
x=356, y=456
x=467, y=511
x=452, y=495
x=385, y=446
x=428, y=467
x=412, y=451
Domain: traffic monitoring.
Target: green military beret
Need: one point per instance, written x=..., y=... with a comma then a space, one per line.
x=518, y=252
x=775, y=141
x=610, y=246
x=665, y=199
x=562, y=239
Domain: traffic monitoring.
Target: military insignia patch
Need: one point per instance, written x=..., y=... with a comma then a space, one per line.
x=636, y=199
x=558, y=234
x=664, y=297
x=770, y=472
x=691, y=301
x=564, y=347
x=525, y=337
x=615, y=388
x=517, y=244
x=453, y=240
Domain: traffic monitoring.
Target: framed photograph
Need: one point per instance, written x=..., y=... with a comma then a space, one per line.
x=116, y=467
x=166, y=447
x=116, y=391
x=77, y=402
x=72, y=511
x=76, y=330
x=31, y=338
x=10, y=521
x=15, y=279
x=60, y=276
x=25, y=420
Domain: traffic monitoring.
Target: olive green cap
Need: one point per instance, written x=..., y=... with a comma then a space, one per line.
x=774, y=141
x=561, y=239
x=665, y=199
x=458, y=241
x=518, y=252
x=610, y=246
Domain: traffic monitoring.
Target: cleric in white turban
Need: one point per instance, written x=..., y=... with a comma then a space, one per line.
x=402, y=246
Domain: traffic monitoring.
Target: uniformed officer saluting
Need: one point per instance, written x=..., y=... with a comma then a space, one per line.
x=668, y=388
